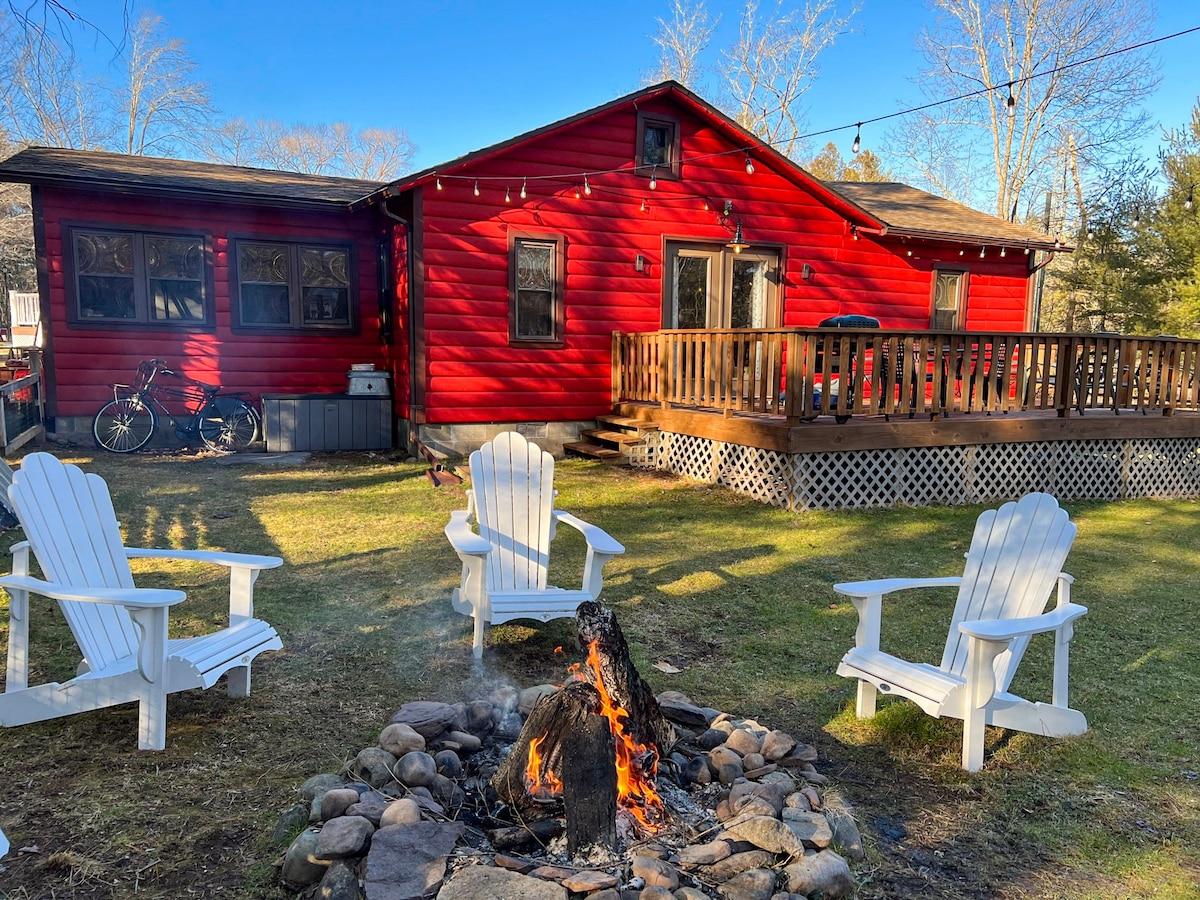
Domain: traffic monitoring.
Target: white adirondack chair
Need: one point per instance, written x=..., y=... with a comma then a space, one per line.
x=1013, y=565
x=121, y=629
x=505, y=564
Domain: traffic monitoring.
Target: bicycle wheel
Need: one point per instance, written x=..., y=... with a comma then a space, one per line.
x=124, y=425
x=227, y=424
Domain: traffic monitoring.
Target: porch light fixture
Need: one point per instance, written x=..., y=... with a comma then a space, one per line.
x=749, y=165
x=806, y=272
x=857, y=138
x=738, y=244
x=639, y=263
x=524, y=193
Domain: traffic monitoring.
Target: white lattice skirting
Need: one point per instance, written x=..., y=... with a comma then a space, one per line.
x=934, y=476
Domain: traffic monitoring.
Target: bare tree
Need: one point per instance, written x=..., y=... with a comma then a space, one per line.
x=774, y=63
x=1048, y=95
x=376, y=154
x=681, y=42
x=165, y=108
x=44, y=97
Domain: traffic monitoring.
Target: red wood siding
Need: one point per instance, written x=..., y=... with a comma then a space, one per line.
x=87, y=360
x=472, y=374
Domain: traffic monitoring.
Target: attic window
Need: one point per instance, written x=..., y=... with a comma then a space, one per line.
x=657, y=146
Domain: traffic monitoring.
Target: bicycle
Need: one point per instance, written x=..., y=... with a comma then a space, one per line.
x=128, y=422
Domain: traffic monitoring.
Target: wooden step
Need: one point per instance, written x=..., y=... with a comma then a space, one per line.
x=599, y=435
x=594, y=451
x=626, y=422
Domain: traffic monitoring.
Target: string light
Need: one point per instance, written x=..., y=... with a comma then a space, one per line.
x=587, y=187
x=1011, y=102
x=654, y=179
x=476, y=187
x=507, y=195
x=578, y=192
x=857, y=138
x=645, y=205
x=749, y=165
x=982, y=250
x=439, y=184
x=1187, y=204
x=1003, y=252
x=1137, y=217
x=524, y=193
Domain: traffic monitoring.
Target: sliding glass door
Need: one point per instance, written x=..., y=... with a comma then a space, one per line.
x=710, y=286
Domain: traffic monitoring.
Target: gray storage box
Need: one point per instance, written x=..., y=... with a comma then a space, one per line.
x=327, y=422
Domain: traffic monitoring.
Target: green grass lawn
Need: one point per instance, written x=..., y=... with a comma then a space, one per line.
x=736, y=595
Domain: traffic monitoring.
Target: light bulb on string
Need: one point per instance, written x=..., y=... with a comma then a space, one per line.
x=857, y=138
x=654, y=179
x=1011, y=102
x=1003, y=252
x=587, y=187
x=524, y=193
x=982, y=250
x=645, y=205
x=1137, y=218
x=749, y=165
x=476, y=191
x=507, y=194
x=578, y=192
x=1187, y=204
x=439, y=184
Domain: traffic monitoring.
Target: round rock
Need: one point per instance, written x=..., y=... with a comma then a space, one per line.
x=374, y=766
x=344, y=836
x=400, y=738
x=300, y=868
x=405, y=811
x=448, y=763
x=335, y=803
x=416, y=769
x=743, y=742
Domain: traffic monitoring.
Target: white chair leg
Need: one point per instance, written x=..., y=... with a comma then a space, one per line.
x=480, y=626
x=973, y=736
x=867, y=694
x=238, y=684
x=152, y=665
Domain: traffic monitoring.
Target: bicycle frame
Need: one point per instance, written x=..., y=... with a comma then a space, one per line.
x=196, y=395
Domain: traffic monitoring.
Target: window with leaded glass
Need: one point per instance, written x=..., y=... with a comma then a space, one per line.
x=657, y=148
x=136, y=278
x=948, y=305
x=536, y=289
x=287, y=285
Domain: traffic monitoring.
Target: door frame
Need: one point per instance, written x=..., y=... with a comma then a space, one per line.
x=721, y=279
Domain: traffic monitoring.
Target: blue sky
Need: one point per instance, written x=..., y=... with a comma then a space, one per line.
x=463, y=74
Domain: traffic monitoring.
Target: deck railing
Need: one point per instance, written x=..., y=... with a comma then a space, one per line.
x=806, y=372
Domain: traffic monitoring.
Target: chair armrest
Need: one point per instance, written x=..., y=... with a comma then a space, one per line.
x=597, y=538
x=462, y=538
x=887, y=585
x=1004, y=630
x=216, y=557
x=134, y=598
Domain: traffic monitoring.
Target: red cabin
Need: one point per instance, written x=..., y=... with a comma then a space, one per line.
x=488, y=287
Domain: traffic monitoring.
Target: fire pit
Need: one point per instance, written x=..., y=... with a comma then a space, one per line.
x=595, y=788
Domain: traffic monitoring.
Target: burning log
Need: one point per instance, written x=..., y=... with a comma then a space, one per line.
x=613, y=671
x=563, y=752
x=531, y=775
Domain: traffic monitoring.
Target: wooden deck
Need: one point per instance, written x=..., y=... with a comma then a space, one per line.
x=872, y=432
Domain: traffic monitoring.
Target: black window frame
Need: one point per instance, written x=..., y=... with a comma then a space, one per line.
x=672, y=169
x=296, y=325
x=141, y=278
x=558, y=296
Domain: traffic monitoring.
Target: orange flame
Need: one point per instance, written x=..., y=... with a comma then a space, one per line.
x=539, y=782
x=637, y=764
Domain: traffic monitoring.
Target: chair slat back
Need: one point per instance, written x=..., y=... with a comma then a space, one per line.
x=1016, y=555
x=513, y=482
x=68, y=518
